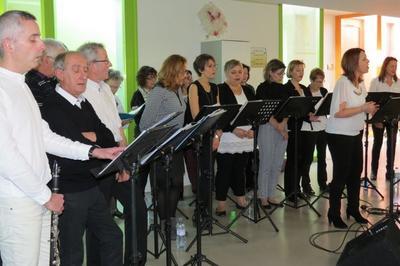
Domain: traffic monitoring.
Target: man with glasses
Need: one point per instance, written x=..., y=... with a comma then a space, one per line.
x=99, y=94
x=41, y=79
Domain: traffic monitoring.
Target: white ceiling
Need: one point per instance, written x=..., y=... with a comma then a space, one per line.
x=370, y=7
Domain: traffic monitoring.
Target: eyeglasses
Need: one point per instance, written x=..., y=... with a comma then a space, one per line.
x=102, y=61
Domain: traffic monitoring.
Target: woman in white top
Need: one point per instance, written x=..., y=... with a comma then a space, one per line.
x=235, y=143
x=344, y=133
x=313, y=135
x=387, y=81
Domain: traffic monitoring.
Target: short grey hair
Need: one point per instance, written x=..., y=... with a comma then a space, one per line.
x=115, y=75
x=10, y=25
x=52, y=46
x=231, y=64
x=89, y=50
x=59, y=61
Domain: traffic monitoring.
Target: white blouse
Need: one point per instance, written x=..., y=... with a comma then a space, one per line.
x=230, y=143
x=345, y=91
x=377, y=86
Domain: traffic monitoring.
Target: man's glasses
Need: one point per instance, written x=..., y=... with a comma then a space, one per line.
x=102, y=61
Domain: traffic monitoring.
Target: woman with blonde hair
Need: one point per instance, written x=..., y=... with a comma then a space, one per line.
x=165, y=98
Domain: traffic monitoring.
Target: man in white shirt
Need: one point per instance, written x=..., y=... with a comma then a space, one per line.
x=100, y=96
x=25, y=199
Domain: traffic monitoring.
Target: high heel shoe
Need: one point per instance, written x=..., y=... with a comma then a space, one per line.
x=357, y=216
x=337, y=221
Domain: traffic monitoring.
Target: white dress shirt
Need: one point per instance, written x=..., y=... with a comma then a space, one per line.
x=69, y=97
x=24, y=140
x=345, y=91
x=102, y=99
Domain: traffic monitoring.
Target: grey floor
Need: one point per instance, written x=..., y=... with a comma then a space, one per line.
x=290, y=246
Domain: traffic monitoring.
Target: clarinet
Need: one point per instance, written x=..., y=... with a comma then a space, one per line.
x=54, y=232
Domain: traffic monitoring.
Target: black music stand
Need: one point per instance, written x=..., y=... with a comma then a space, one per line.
x=255, y=113
x=229, y=112
x=389, y=115
x=232, y=110
x=380, y=98
x=323, y=110
x=128, y=160
x=174, y=143
x=297, y=107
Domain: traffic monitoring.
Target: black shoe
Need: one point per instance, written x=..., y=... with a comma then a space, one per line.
x=337, y=221
x=277, y=204
x=118, y=214
x=240, y=207
x=357, y=216
x=308, y=191
x=220, y=213
x=324, y=187
x=292, y=199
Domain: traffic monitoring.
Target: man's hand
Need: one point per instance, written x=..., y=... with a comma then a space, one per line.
x=56, y=203
x=250, y=134
x=122, y=176
x=90, y=136
x=107, y=153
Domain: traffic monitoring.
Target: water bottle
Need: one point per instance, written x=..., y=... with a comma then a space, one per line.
x=250, y=211
x=180, y=234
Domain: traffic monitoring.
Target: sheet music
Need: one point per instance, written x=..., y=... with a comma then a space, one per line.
x=165, y=119
x=136, y=110
x=176, y=133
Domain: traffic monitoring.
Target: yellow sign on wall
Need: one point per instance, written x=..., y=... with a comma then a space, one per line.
x=258, y=57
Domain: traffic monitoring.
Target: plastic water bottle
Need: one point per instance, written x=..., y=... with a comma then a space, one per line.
x=180, y=234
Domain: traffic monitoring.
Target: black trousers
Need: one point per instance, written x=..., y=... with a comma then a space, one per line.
x=88, y=210
x=122, y=191
x=347, y=158
x=376, y=148
x=310, y=140
x=289, y=177
x=231, y=172
x=175, y=176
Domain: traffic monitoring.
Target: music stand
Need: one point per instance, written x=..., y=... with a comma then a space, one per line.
x=209, y=221
x=389, y=115
x=128, y=160
x=255, y=113
x=175, y=143
x=297, y=107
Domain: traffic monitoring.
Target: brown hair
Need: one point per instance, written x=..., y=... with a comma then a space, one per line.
x=272, y=66
x=350, y=62
x=292, y=65
x=382, y=73
x=315, y=73
x=170, y=69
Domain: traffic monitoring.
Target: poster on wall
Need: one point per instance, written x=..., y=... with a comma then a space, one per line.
x=258, y=57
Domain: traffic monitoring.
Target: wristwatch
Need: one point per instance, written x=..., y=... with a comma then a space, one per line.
x=90, y=153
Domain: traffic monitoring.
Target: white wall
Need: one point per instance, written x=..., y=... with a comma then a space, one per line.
x=329, y=51
x=167, y=27
x=378, y=7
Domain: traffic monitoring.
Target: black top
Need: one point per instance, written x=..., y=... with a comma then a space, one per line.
x=273, y=91
x=307, y=91
x=70, y=121
x=289, y=85
x=137, y=100
x=226, y=96
x=205, y=98
x=40, y=85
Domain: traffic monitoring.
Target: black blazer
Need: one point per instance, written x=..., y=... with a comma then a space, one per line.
x=226, y=96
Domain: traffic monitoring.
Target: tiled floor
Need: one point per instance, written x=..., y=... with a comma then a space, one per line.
x=290, y=246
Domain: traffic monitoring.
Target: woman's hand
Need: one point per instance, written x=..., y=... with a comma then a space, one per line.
x=369, y=107
x=215, y=143
x=314, y=118
x=250, y=134
x=240, y=133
